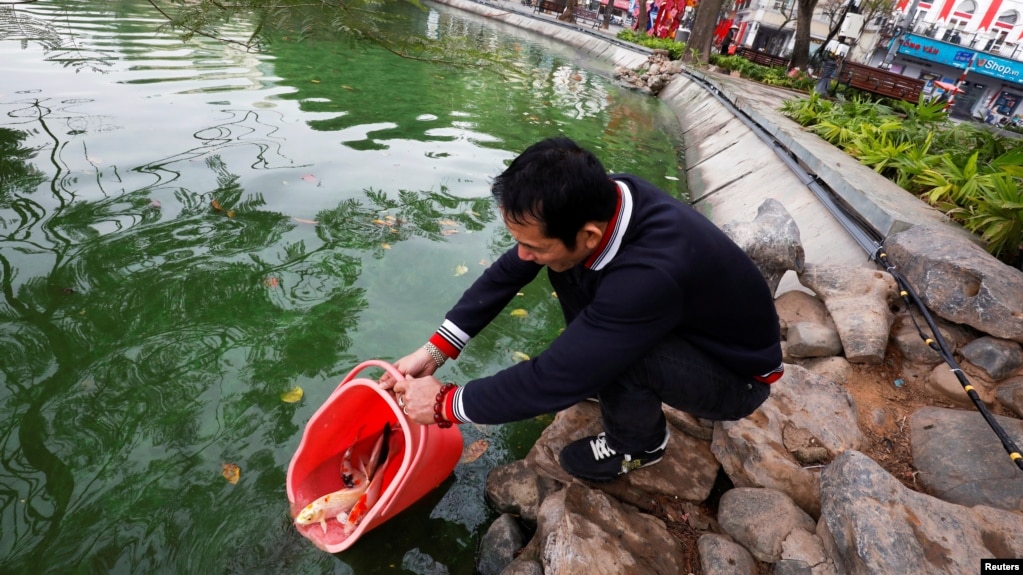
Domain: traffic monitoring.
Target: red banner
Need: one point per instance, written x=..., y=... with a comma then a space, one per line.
x=619, y=4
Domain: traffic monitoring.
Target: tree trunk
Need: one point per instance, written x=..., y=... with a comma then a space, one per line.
x=641, y=18
x=702, y=36
x=608, y=11
x=801, y=47
x=569, y=13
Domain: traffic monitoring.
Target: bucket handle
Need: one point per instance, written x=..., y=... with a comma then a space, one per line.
x=397, y=375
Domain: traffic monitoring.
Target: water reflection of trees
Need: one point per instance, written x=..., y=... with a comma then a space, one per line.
x=140, y=351
x=142, y=346
x=56, y=38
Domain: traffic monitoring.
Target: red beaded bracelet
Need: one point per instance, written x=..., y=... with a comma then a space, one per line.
x=438, y=407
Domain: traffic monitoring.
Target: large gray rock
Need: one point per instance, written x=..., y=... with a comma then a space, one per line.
x=719, y=555
x=688, y=469
x=518, y=489
x=761, y=519
x=858, y=301
x=959, y=281
x=807, y=340
x=805, y=548
x=961, y=460
x=905, y=336
x=1010, y=394
x=998, y=358
x=499, y=544
x=797, y=306
x=807, y=420
x=876, y=525
x=943, y=382
x=771, y=240
x=582, y=530
x=523, y=567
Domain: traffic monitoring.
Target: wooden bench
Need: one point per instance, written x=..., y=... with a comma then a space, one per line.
x=548, y=6
x=591, y=16
x=882, y=82
x=763, y=59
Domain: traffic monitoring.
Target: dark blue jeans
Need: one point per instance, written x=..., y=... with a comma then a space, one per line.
x=682, y=376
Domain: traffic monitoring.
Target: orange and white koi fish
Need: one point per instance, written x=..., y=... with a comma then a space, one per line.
x=356, y=483
x=347, y=471
x=331, y=505
x=350, y=520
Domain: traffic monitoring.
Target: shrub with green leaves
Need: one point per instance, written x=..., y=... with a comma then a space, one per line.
x=675, y=49
x=970, y=173
x=773, y=76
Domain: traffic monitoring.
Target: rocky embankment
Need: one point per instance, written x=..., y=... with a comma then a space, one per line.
x=803, y=494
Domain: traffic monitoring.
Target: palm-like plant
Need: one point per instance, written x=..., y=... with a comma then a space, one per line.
x=997, y=216
x=950, y=185
x=878, y=146
x=966, y=171
x=807, y=111
x=839, y=130
x=925, y=111
x=914, y=161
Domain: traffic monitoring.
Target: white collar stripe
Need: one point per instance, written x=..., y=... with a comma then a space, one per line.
x=621, y=223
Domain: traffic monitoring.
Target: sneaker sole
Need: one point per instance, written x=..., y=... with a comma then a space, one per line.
x=610, y=479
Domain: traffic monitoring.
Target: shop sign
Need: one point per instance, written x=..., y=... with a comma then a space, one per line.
x=955, y=56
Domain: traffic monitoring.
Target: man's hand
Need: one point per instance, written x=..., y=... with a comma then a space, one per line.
x=417, y=397
x=419, y=363
x=417, y=393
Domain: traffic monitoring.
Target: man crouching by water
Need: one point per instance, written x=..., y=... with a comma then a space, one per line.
x=660, y=306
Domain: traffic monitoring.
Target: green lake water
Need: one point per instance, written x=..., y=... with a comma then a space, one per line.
x=189, y=231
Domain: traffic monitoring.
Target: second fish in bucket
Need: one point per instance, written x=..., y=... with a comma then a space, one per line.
x=357, y=447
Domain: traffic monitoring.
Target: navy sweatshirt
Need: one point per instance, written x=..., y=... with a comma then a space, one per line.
x=662, y=268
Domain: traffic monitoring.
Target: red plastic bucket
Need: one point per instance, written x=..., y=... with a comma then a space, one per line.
x=422, y=456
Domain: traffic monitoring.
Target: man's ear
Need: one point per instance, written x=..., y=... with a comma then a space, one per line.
x=593, y=233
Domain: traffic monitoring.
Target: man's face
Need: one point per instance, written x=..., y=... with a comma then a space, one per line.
x=534, y=246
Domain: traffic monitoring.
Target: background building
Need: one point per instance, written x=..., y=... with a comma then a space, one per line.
x=975, y=46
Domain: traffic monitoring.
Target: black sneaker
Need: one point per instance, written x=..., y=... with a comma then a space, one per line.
x=592, y=459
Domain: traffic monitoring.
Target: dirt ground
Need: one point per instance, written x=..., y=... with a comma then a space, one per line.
x=874, y=388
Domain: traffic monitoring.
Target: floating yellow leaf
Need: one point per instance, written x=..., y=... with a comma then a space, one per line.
x=231, y=472
x=230, y=213
x=305, y=221
x=380, y=222
x=216, y=205
x=349, y=88
x=474, y=450
x=519, y=312
x=554, y=294
x=519, y=356
x=449, y=223
x=271, y=282
x=292, y=395
x=315, y=81
x=520, y=294
x=448, y=232
x=461, y=270
x=385, y=245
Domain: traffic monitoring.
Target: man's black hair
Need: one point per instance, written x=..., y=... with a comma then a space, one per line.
x=558, y=184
